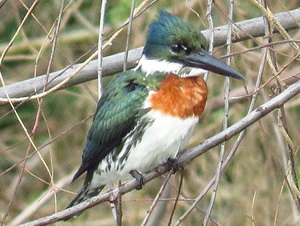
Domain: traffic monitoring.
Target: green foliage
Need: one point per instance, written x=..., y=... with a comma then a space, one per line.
x=117, y=11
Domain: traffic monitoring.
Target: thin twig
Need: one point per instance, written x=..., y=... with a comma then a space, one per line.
x=177, y=197
x=5, y=215
x=2, y=3
x=34, y=4
x=191, y=201
x=43, y=198
x=211, y=36
x=46, y=144
x=100, y=46
x=252, y=209
x=277, y=204
x=157, y=198
x=34, y=17
x=46, y=80
x=128, y=35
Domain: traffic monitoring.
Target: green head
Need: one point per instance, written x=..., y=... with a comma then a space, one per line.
x=170, y=38
x=173, y=43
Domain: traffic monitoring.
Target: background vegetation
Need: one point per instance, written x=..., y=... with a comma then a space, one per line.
x=252, y=190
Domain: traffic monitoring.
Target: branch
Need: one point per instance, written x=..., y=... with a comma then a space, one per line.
x=254, y=116
x=112, y=64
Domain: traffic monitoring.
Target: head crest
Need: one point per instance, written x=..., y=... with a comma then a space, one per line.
x=168, y=29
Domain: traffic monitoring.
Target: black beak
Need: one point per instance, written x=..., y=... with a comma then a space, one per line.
x=208, y=62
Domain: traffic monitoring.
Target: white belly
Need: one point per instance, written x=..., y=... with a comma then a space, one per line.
x=162, y=139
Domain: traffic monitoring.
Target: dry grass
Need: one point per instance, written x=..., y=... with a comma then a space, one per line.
x=252, y=190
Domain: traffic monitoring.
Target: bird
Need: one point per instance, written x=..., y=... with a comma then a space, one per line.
x=145, y=116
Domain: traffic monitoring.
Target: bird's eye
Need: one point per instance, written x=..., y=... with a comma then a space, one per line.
x=177, y=48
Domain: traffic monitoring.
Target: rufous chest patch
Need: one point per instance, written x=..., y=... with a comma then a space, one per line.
x=180, y=97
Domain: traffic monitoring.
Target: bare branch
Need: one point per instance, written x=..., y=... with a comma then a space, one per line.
x=112, y=64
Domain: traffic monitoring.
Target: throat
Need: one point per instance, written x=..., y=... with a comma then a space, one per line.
x=150, y=66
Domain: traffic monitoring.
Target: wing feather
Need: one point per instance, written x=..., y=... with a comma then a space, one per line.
x=116, y=115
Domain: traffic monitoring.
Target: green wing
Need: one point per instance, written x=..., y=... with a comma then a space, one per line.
x=117, y=114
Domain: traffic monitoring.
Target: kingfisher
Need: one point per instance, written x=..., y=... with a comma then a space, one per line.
x=145, y=116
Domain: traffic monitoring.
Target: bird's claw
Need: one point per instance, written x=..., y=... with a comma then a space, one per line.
x=172, y=162
x=139, y=177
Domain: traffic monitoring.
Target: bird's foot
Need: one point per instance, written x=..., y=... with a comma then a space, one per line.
x=172, y=162
x=139, y=177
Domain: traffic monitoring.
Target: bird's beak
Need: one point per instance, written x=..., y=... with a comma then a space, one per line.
x=208, y=62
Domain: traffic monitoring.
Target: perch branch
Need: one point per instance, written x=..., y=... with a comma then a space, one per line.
x=112, y=64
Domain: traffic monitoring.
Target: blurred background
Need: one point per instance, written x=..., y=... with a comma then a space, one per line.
x=33, y=184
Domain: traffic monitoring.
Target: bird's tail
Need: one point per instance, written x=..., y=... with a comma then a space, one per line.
x=85, y=193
